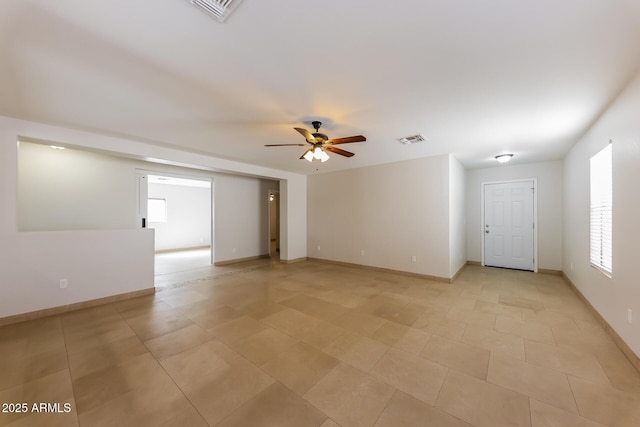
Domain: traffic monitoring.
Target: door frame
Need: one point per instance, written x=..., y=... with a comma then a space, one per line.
x=535, y=216
x=147, y=172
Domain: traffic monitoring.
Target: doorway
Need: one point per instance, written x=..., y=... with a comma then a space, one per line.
x=274, y=224
x=180, y=210
x=509, y=219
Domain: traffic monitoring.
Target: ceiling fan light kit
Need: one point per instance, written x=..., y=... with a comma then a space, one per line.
x=503, y=158
x=320, y=144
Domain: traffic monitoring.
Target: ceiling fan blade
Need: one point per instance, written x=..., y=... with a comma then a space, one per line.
x=339, y=151
x=307, y=135
x=347, y=140
x=285, y=145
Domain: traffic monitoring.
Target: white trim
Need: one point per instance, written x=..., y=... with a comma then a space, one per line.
x=535, y=217
x=176, y=175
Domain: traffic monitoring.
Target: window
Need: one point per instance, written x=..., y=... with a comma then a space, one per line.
x=601, y=210
x=157, y=210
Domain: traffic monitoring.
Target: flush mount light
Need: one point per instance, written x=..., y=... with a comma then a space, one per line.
x=407, y=140
x=56, y=147
x=504, y=158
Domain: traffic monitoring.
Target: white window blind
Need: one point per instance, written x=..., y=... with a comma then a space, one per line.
x=601, y=209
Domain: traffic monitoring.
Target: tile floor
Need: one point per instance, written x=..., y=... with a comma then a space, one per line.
x=176, y=268
x=313, y=344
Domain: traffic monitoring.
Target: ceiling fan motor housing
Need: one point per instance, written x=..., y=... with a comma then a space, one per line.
x=320, y=136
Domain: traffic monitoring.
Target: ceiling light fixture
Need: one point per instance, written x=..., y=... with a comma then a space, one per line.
x=503, y=158
x=56, y=147
x=316, y=153
x=407, y=140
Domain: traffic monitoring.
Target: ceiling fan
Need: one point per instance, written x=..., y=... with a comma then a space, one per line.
x=320, y=144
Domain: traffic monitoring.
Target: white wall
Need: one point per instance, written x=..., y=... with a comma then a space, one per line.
x=97, y=263
x=457, y=216
x=549, y=226
x=392, y=212
x=188, y=222
x=610, y=296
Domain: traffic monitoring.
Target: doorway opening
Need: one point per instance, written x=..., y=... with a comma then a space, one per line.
x=274, y=225
x=180, y=210
x=509, y=216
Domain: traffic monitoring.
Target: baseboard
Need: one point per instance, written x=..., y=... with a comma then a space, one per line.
x=237, y=260
x=628, y=352
x=548, y=271
x=294, y=260
x=455, y=276
x=192, y=248
x=540, y=270
x=73, y=307
x=384, y=270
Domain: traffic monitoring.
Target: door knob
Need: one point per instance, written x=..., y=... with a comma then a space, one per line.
x=486, y=231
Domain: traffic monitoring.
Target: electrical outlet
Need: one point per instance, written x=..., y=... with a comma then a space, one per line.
x=318, y=248
x=362, y=252
x=233, y=250
x=414, y=258
x=571, y=266
x=629, y=316
x=64, y=283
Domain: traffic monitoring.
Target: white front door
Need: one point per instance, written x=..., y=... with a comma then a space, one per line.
x=509, y=225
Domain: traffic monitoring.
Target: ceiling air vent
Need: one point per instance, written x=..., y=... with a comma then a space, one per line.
x=412, y=139
x=219, y=9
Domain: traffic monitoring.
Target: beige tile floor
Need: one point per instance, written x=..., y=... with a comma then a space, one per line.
x=175, y=268
x=313, y=344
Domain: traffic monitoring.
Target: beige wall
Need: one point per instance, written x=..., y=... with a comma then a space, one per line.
x=549, y=226
x=241, y=218
x=392, y=212
x=612, y=297
x=74, y=190
x=293, y=211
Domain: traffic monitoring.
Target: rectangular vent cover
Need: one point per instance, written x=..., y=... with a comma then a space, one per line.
x=219, y=9
x=412, y=139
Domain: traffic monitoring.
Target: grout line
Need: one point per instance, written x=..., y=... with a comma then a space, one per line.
x=66, y=350
x=172, y=380
x=574, y=396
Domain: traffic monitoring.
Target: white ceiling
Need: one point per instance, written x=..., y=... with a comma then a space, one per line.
x=476, y=78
